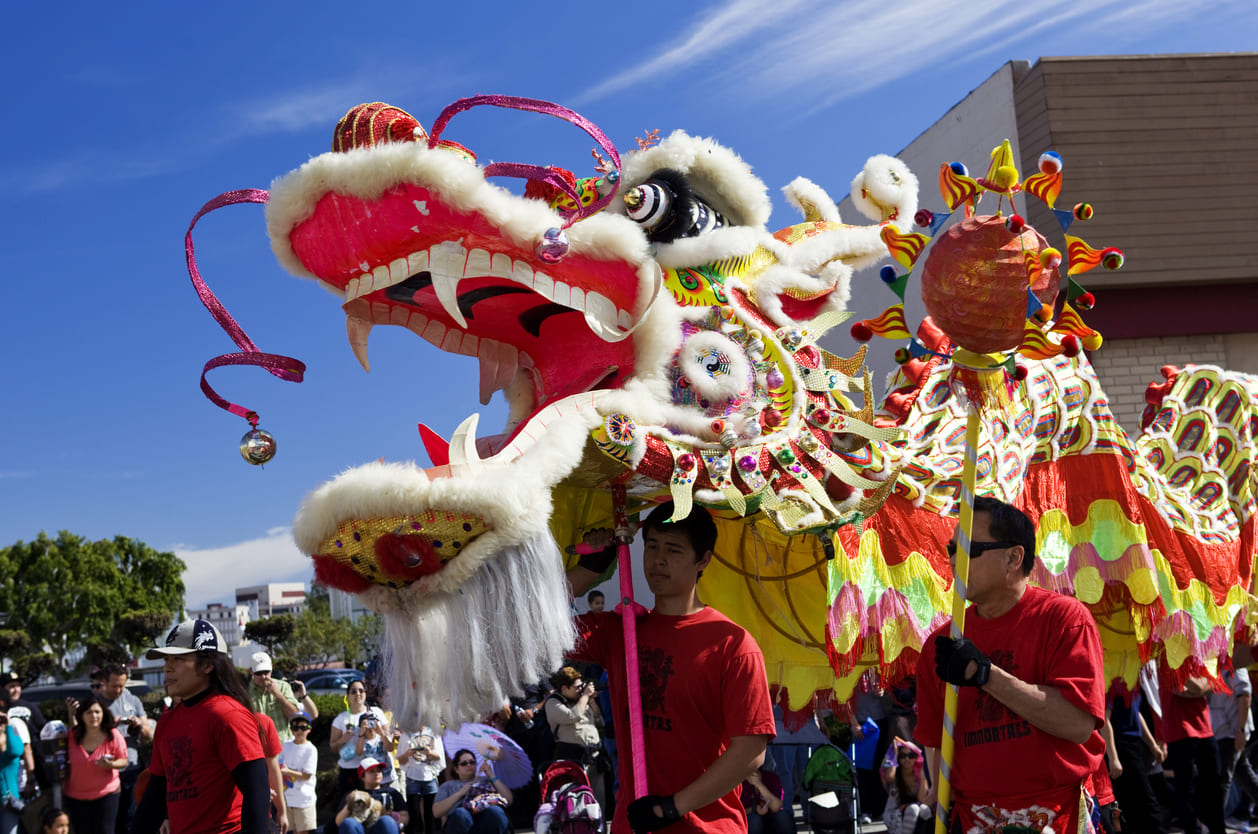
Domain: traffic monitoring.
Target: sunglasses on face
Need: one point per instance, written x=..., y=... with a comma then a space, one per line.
x=98, y=686
x=908, y=754
x=465, y=762
x=977, y=549
x=299, y=728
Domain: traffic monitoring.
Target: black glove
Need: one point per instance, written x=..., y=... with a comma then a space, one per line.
x=951, y=658
x=642, y=816
x=600, y=560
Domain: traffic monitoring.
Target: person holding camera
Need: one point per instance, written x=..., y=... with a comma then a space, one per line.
x=572, y=714
x=273, y=697
x=96, y=755
x=360, y=731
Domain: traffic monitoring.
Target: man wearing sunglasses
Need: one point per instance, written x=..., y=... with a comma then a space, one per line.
x=1031, y=688
x=271, y=696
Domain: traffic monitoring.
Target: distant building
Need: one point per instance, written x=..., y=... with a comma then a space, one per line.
x=344, y=605
x=273, y=599
x=1162, y=147
x=230, y=620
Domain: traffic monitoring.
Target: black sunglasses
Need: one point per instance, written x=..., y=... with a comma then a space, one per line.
x=907, y=754
x=977, y=549
x=297, y=727
x=465, y=762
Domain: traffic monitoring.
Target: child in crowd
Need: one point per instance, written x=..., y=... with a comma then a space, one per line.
x=298, y=765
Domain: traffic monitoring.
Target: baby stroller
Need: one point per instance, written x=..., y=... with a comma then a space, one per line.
x=568, y=803
x=830, y=781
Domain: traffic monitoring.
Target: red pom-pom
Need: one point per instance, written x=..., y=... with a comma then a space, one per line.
x=1015, y=224
x=861, y=332
x=1083, y=211
x=409, y=556
x=539, y=190
x=1020, y=372
x=330, y=573
x=1111, y=258
x=1086, y=301
x=924, y=217
x=902, y=356
x=1070, y=345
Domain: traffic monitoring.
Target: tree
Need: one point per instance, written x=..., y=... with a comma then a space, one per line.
x=272, y=632
x=319, y=638
x=13, y=644
x=67, y=591
x=139, y=630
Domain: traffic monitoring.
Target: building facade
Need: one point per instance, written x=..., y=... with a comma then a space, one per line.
x=1162, y=146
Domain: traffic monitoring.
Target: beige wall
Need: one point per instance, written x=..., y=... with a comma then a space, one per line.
x=1126, y=367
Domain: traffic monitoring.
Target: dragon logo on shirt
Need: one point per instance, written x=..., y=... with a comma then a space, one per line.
x=655, y=668
x=179, y=765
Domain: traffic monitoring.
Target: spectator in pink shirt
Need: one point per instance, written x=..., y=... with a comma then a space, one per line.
x=97, y=753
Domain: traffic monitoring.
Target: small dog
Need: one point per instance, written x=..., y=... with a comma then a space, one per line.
x=363, y=808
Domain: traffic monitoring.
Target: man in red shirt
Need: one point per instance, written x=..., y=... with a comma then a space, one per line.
x=1189, y=740
x=1032, y=691
x=209, y=775
x=705, y=695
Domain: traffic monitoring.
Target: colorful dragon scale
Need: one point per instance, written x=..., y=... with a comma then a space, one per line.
x=1156, y=537
x=683, y=368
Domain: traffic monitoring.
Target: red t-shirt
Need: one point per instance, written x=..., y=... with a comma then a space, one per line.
x=271, y=744
x=999, y=758
x=703, y=681
x=196, y=747
x=89, y=780
x=1183, y=717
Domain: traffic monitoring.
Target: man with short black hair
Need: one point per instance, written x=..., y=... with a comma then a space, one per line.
x=129, y=718
x=209, y=775
x=705, y=695
x=1031, y=688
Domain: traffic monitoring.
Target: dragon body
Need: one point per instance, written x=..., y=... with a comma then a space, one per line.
x=684, y=365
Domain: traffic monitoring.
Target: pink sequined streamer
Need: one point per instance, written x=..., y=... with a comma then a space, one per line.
x=283, y=367
x=525, y=170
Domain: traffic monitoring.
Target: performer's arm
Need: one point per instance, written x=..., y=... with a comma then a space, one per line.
x=1042, y=705
x=744, y=755
x=1111, y=750
x=251, y=778
x=151, y=810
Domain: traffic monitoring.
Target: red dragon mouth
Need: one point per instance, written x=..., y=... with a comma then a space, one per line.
x=414, y=236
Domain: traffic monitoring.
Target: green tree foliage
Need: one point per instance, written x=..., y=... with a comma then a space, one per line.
x=14, y=644
x=272, y=632
x=319, y=638
x=67, y=592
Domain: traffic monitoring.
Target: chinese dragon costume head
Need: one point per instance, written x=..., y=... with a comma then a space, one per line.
x=645, y=328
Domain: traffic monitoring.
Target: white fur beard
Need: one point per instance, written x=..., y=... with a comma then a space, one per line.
x=465, y=652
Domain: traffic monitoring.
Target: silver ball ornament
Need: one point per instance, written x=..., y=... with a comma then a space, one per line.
x=553, y=247
x=257, y=447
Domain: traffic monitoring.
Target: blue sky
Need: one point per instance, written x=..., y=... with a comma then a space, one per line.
x=126, y=118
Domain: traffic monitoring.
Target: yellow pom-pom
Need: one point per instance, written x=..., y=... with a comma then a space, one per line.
x=1006, y=175
x=1050, y=258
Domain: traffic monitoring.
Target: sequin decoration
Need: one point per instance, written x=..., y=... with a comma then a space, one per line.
x=443, y=533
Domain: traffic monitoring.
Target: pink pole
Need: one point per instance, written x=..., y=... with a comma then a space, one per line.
x=628, y=617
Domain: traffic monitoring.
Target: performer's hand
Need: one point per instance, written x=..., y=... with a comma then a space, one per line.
x=1115, y=769
x=960, y=662
x=601, y=559
x=652, y=812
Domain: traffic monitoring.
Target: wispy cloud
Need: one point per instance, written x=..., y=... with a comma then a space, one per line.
x=278, y=111
x=214, y=574
x=825, y=52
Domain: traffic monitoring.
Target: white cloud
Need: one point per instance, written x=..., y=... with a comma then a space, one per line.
x=214, y=574
x=826, y=52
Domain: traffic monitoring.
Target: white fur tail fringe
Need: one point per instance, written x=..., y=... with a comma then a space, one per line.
x=458, y=657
